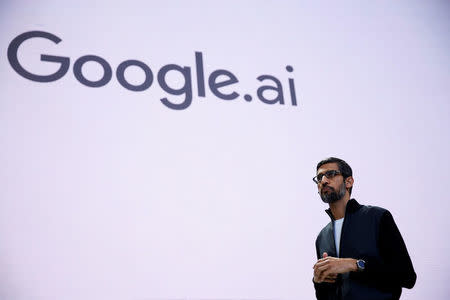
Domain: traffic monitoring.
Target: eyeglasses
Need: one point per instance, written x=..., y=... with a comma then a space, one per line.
x=328, y=174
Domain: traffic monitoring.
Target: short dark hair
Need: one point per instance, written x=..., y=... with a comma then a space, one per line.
x=343, y=166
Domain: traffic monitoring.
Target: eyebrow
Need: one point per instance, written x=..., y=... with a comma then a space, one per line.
x=327, y=171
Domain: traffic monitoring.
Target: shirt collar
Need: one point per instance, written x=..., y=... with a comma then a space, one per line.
x=352, y=206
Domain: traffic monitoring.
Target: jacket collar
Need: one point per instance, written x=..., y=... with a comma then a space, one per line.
x=352, y=206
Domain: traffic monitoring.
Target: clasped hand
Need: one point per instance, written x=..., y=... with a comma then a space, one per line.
x=327, y=268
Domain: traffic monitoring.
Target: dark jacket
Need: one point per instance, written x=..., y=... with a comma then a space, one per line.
x=368, y=233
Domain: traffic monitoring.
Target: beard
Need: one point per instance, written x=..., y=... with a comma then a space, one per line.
x=332, y=196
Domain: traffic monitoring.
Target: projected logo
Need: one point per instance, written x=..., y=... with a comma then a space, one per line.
x=220, y=81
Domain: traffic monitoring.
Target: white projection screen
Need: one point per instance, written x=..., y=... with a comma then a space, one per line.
x=163, y=150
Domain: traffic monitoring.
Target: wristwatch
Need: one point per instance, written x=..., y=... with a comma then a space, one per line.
x=361, y=265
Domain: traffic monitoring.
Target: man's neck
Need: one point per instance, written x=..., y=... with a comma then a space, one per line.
x=338, y=208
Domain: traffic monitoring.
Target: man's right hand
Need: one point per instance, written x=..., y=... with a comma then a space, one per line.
x=331, y=278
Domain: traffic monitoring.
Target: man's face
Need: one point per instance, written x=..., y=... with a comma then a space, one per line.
x=331, y=189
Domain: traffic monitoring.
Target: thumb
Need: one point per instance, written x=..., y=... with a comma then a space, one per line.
x=325, y=255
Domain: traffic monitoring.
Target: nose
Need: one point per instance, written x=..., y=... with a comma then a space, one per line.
x=324, y=181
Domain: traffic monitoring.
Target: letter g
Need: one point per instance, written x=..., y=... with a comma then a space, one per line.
x=12, y=57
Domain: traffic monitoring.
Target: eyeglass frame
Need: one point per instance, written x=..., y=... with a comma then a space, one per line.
x=331, y=174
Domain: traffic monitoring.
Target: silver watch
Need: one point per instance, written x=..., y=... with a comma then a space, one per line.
x=361, y=265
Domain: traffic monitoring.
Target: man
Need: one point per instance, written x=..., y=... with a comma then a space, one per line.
x=361, y=253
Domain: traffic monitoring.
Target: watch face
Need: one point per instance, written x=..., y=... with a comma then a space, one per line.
x=361, y=264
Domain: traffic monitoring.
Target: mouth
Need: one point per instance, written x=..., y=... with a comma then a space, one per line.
x=327, y=189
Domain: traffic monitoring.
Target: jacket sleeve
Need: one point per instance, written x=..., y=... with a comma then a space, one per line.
x=324, y=289
x=395, y=267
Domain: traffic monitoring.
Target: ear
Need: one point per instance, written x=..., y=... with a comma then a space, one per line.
x=349, y=182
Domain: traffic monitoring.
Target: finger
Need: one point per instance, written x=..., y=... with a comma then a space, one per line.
x=323, y=273
x=320, y=269
x=327, y=273
x=323, y=268
x=319, y=263
x=322, y=262
x=317, y=278
x=316, y=273
x=324, y=254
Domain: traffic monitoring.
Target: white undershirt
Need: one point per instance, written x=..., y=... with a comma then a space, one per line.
x=337, y=233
